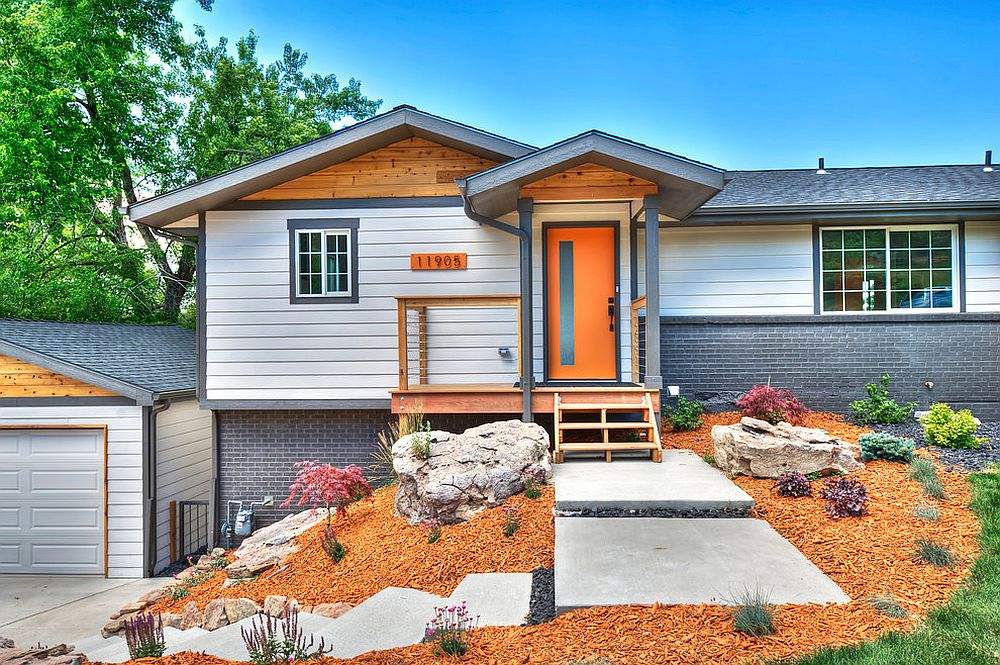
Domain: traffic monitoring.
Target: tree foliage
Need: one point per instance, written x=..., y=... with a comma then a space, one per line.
x=103, y=103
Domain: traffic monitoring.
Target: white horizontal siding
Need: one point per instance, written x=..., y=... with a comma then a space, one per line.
x=124, y=479
x=259, y=346
x=183, y=465
x=739, y=270
x=982, y=266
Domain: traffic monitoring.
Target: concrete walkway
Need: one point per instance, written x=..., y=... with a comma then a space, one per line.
x=392, y=618
x=695, y=554
x=682, y=482
x=53, y=609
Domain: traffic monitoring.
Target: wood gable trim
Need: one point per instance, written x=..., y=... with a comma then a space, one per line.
x=20, y=380
x=589, y=182
x=408, y=168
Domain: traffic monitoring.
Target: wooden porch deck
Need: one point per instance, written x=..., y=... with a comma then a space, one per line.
x=506, y=398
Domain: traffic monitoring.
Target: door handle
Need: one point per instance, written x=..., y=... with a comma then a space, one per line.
x=611, y=314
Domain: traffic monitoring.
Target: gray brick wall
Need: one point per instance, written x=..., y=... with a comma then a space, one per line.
x=258, y=448
x=826, y=362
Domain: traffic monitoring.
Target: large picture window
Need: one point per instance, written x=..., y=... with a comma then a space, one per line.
x=884, y=269
x=323, y=260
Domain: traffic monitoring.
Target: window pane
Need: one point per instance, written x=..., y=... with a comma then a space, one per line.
x=303, y=242
x=920, y=239
x=877, y=279
x=941, y=258
x=920, y=299
x=941, y=239
x=853, y=301
x=879, y=301
x=833, y=302
x=833, y=281
x=899, y=259
x=875, y=239
x=833, y=260
x=315, y=263
x=900, y=280
x=920, y=258
x=920, y=279
x=832, y=239
x=854, y=239
x=875, y=260
x=304, y=285
x=853, y=279
x=941, y=278
x=899, y=239
x=854, y=260
x=942, y=298
x=316, y=282
x=343, y=283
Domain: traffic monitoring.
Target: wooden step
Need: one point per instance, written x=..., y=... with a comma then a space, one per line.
x=603, y=407
x=614, y=445
x=635, y=425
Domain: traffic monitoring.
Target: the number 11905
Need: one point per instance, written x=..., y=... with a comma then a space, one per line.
x=454, y=261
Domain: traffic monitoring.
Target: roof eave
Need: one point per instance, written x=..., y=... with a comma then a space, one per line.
x=923, y=210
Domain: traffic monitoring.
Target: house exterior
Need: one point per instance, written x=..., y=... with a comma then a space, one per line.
x=101, y=437
x=413, y=263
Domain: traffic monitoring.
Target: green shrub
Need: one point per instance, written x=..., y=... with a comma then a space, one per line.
x=927, y=512
x=944, y=427
x=879, y=407
x=889, y=606
x=879, y=445
x=685, y=416
x=935, y=554
x=420, y=442
x=381, y=471
x=709, y=459
x=753, y=613
x=924, y=472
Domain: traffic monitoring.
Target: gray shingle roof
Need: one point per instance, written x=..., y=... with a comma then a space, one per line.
x=891, y=184
x=154, y=358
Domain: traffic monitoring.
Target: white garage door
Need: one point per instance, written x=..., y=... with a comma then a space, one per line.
x=52, y=501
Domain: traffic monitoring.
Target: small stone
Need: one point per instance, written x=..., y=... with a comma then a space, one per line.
x=215, y=615
x=152, y=597
x=275, y=606
x=130, y=608
x=115, y=626
x=330, y=610
x=6, y=643
x=306, y=609
x=191, y=617
x=218, y=551
x=171, y=620
x=239, y=570
x=185, y=574
x=238, y=609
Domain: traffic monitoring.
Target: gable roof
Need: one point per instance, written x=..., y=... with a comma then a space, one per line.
x=142, y=362
x=876, y=184
x=400, y=123
x=685, y=184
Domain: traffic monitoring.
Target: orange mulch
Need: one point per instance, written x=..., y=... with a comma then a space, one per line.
x=383, y=551
x=867, y=556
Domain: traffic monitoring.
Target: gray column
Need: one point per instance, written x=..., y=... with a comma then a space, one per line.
x=653, y=371
x=525, y=207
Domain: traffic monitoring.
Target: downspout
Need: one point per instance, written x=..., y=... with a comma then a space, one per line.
x=524, y=245
x=149, y=474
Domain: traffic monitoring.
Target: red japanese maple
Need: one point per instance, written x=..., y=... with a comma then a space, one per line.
x=327, y=486
x=774, y=405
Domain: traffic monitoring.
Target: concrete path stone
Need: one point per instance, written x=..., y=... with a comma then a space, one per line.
x=623, y=561
x=683, y=481
x=500, y=599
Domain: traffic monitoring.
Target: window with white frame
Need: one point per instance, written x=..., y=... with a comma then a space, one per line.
x=887, y=269
x=323, y=260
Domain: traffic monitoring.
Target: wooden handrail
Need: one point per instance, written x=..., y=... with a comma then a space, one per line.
x=636, y=305
x=420, y=304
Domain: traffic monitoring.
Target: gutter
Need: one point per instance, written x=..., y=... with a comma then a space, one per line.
x=150, y=483
x=524, y=245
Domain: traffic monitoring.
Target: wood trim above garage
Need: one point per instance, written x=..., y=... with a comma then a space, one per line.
x=19, y=379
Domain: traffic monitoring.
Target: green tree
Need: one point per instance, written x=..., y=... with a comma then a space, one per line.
x=102, y=102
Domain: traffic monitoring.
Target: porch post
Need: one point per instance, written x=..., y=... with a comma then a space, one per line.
x=525, y=207
x=653, y=371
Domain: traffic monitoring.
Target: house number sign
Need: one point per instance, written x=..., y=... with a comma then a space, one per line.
x=453, y=261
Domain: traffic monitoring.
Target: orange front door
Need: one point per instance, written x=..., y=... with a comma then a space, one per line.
x=581, y=302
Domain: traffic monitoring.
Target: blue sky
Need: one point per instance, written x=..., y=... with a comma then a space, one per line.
x=737, y=84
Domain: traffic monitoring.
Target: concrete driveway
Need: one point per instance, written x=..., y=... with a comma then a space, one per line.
x=53, y=609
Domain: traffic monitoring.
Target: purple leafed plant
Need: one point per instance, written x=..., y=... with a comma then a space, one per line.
x=512, y=520
x=273, y=641
x=331, y=545
x=448, y=627
x=533, y=477
x=432, y=529
x=845, y=496
x=793, y=484
x=144, y=636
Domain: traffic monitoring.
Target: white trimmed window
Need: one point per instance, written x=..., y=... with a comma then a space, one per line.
x=323, y=260
x=889, y=269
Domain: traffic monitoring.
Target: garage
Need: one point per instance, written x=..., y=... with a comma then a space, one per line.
x=52, y=500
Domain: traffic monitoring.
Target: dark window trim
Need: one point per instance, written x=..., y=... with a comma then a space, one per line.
x=616, y=225
x=818, y=275
x=295, y=225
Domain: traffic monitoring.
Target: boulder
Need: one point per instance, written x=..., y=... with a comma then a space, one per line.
x=191, y=617
x=171, y=620
x=330, y=610
x=275, y=606
x=62, y=654
x=130, y=608
x=115, y=626
x=756, y=448
x=468, y=472
x=238, y=609
x=152, y=597
x=215, y=615
x=268, y=547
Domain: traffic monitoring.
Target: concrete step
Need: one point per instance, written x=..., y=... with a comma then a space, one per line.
x=682, y=482
x=499, y=599
x=677, y=561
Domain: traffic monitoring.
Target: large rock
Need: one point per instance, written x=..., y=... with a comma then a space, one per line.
x=331, y=610
x=468, y=472
x=276, y=606
x=191, y=617
x=238, y=609
x=756, y=448
x=215, y=614
x=268, y=547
